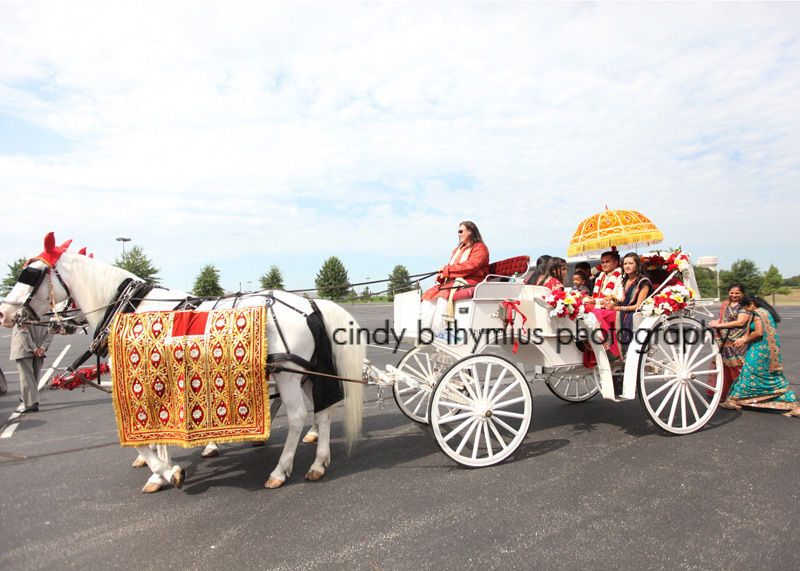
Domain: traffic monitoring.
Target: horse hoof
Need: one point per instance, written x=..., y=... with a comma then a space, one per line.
x=177, y=477
x=150, y=488
x=209, y=452
x=257, y=443
x=314, y=475
x=139, y=463
x=310, y=437
x=273, y=483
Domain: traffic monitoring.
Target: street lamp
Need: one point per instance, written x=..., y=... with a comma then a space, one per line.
x=123, y=240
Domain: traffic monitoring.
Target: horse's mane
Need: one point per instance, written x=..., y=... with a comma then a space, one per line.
x=94, y=283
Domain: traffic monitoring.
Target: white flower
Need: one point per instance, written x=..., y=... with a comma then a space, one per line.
x=155, y=357
x=241, y=322
x=196, y=414
x=159, y=386
x=221, y=411
x=239, y=352
x=194, y=353
x=141, y=416
x=134, y=358
x=164, y=414
x=195, y=383
x=242, y=410
x=217, y=352
x=157, y=326
x=137, y=387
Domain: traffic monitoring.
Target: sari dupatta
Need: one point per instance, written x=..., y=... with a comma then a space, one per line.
x=771, y=336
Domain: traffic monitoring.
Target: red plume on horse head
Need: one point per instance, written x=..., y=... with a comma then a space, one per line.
x=51, y=252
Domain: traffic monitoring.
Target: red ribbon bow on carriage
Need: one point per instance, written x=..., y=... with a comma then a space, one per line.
x=512, y=307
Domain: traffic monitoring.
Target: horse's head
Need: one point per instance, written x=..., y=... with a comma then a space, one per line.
x=39, y=286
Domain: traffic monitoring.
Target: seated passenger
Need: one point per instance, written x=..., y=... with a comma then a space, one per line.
x=469, y=265
x=579, y=279
x=540, y=273
x=555, y=273
x=607, y=282
x=617, y=315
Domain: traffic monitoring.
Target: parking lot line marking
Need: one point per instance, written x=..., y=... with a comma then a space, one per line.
x=55, y=364
x=12, y=422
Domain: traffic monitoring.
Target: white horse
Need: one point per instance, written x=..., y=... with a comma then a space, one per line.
x=93, y=285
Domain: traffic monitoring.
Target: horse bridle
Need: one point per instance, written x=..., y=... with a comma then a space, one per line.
x=35, y=277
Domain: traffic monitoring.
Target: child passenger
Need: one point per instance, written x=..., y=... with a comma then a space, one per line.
x=579, y=282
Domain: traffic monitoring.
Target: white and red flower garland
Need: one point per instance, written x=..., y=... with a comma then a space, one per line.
x=668, y=261
x=668, y=301
x=566, y=304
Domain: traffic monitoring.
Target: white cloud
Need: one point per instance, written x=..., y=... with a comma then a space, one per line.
x=208, y=131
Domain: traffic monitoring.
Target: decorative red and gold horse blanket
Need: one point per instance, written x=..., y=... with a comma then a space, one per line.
x=188, y=378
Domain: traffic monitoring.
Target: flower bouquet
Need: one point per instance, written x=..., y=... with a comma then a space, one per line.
x=668, y=301
x=565, y=304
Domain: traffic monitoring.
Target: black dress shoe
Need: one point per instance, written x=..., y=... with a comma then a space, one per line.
x=33, y=408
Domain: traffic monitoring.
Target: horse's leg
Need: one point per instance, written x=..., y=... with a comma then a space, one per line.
x=292, y=398
x=211, y=450
x=161, y=466
x=140, y=462
x=274, y=405
x=313, y=433
x=322, y=421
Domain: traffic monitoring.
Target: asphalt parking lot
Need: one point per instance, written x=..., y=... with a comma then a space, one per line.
x=594, y=486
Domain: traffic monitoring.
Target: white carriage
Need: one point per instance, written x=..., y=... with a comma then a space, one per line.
x=471, y=382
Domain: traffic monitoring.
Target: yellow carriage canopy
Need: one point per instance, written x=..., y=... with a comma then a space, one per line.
x=613, y=228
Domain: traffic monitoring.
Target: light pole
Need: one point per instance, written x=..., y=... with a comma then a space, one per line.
x=123, y=240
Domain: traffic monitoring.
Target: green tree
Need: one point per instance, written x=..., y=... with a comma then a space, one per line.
x=366, y=295
x=332, y=274
x=706, y=281
x=136, y=262
x=14, y=269
x=773, y=283
x=399, y=281
x=207, y=282
x=272, y=279
x=793, y=281
x=744, y=272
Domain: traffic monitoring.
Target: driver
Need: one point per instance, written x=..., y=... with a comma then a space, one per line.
x=469, y=265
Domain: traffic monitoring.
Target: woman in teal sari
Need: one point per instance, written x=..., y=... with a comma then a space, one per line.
x=761, y=383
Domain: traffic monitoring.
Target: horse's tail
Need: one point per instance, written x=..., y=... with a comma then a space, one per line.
x=349, y=359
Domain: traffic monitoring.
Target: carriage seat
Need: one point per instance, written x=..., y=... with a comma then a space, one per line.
x=498, y=271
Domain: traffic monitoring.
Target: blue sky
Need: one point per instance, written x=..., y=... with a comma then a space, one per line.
x=248, y=134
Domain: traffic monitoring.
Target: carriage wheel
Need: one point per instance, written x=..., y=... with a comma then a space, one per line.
x=480, y=410
x=574, y=388
x=679, y=365
x=425, y=364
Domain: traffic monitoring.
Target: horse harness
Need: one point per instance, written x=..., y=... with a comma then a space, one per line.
x=130, y=293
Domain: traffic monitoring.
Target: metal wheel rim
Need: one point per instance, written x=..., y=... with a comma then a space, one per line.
x=675, y=373
x=481, y=410
x=427, y=364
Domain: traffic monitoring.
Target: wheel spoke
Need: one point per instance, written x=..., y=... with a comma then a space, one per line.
x=673, y=388
x=488, y=439
x=497, y=435
x=699, y=396
x=662, y=388
x=459, y=428
x=508, y=402
x=499, y=421
x=466, y=436
x=508, y=414
x=649, y=359
x=468, y=384
x=509, y=388
x=676, y=394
